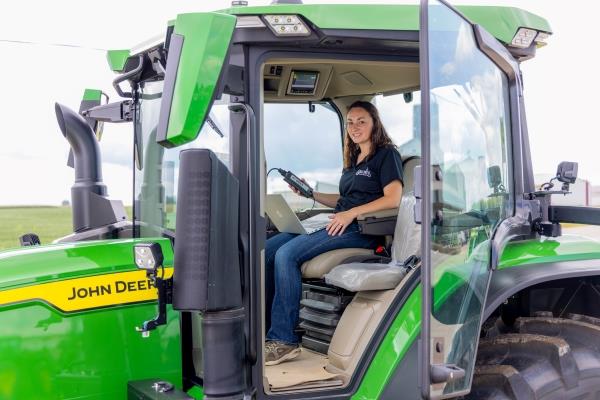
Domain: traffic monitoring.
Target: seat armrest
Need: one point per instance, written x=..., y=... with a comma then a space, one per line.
x=390, y=212
x=380, y=223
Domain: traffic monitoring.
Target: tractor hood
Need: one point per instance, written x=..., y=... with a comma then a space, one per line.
x=49, y=273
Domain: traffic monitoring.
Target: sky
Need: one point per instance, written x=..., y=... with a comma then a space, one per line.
x=54, y=53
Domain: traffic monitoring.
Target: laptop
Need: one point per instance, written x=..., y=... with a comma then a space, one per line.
x=286, y=220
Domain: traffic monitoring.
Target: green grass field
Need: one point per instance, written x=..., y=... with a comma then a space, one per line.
x=48, y=223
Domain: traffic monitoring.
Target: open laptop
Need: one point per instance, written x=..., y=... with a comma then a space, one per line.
x=286, y=220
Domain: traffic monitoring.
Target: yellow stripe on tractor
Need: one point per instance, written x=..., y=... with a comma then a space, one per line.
x=87, y=293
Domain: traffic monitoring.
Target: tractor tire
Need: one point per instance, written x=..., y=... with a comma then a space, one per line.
x=545, y=358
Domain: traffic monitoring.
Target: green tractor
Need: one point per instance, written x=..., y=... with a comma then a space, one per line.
x=473, y=293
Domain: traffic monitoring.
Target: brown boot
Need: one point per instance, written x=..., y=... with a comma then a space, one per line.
x=278, y=352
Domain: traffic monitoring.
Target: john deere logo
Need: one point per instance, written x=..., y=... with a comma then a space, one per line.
x=80, y=294
x=104, y=290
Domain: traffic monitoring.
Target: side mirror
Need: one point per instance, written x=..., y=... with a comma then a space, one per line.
x=567, y=172
x=494, y=177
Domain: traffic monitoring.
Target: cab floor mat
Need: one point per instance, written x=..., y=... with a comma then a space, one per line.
x=307, y=371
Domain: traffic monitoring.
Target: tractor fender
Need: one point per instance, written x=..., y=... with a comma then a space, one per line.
x=508, y=281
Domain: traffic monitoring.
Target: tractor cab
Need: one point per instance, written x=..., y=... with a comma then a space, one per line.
x=225, y=99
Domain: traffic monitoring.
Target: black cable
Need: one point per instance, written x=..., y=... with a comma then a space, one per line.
x=75, y=46
x=313, y=206
x=548, y=185
x=271, y=170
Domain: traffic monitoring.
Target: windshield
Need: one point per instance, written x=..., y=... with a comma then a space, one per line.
x=155, y=177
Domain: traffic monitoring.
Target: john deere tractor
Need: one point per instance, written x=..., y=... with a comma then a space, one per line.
x=472, y=291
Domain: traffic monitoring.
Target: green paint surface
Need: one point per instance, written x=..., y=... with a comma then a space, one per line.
x=502, y=22
x=91, y=354
x=205, y=45
x=196, y=392
x=92, y=94
x=39, y=264
x=544, y=250
x=117, y=59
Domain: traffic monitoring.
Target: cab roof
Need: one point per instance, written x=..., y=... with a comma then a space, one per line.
x=502, y=22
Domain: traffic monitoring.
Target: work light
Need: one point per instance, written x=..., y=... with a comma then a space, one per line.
x=287, y=25
x=524, y=38
x=541, y=39
x=148, y=256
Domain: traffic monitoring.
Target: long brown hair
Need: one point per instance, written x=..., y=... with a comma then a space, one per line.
x=379, y=136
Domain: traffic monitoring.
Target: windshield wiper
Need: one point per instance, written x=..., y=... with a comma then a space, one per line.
x=211, y=122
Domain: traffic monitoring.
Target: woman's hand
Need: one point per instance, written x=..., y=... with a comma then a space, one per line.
x=339, y=222
x=293, y=189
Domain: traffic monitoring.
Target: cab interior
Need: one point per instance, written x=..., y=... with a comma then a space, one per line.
x=334, y=342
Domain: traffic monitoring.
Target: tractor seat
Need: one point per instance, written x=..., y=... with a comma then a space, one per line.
x=317, y=267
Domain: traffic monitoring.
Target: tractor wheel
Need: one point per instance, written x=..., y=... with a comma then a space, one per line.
x=546, y=358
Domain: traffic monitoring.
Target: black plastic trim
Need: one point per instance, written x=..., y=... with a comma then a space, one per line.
x=405, y=36
x=129, y=75
x=175, y=48
x=506, y=282
x=188, y=371
x=574, y=215
x=396, y=387
x=492, y=48
x=249, y=280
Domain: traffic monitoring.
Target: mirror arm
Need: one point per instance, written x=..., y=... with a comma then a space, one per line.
x=112, y=112
x=127, y=76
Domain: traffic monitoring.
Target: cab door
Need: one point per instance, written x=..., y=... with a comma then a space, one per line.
x=465, y=191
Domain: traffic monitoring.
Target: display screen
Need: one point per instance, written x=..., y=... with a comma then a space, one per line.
x=303, y=82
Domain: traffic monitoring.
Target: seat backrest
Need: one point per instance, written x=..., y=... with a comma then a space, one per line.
x=407, y=235
x=408, y=170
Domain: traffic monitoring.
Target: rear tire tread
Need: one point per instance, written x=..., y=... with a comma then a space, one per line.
x=538, y=362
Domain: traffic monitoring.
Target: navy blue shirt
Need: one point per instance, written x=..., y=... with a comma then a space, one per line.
x=364, y=182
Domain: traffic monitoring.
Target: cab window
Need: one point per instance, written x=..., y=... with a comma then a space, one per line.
x=401, y=117
x=307, y=143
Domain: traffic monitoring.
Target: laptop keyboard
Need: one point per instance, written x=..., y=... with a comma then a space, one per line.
x=316, y=223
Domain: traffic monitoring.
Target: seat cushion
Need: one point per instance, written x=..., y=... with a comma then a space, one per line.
x=357, y=277
x=317, y=267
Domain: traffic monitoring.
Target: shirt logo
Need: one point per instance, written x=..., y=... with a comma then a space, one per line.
x=364, y=172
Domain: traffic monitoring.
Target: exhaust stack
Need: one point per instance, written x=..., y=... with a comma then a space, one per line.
x=91, y=207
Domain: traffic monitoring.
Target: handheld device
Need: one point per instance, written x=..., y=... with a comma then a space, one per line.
x=304, y=189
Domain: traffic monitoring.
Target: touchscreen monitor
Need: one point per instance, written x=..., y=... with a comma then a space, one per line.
x=303, y=82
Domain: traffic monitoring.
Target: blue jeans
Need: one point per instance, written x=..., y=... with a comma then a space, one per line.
x=284, y=254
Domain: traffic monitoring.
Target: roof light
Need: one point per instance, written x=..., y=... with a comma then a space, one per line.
x=287, y=25
x=541, y=39
x=249, y=22
x=524, y=38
